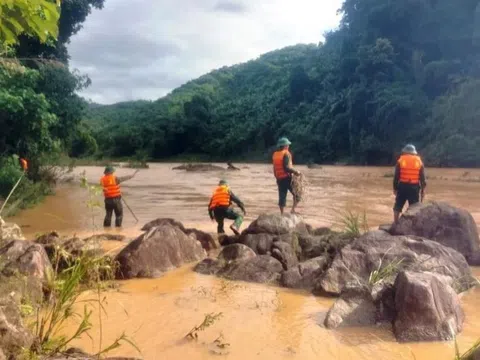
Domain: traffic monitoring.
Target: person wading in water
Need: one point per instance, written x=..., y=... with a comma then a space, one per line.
x=113, y=196
x=219, y=208
x=283, y=170
x=409, y=180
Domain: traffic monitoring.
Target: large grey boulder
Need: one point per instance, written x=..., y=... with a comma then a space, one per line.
x=13, y=335
x=159, y=250
x=443, y=223
x=427, y=308
x=206, y=239
x=377, y=249
x=305, y=275
x=24, y=267
x=24, y=258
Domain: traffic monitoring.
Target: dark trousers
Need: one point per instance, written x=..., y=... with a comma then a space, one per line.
x=222, y=213
x=113, y=205
x=284, y=186
x=406, y=192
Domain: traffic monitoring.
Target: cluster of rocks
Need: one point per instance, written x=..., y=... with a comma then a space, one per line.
x=278, y=250
x=407, y=275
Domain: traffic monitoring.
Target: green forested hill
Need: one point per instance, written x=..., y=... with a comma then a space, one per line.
x=395, y=71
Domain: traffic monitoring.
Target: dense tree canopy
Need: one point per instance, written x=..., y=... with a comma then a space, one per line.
x=40, y=111
x=395, y=71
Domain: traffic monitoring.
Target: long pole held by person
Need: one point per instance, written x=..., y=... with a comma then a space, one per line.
x=11, y=192
x=128, y=207
x=24, y=165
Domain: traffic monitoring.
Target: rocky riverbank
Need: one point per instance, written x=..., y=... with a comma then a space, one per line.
x=407, y=277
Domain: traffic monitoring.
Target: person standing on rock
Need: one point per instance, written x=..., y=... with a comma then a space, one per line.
x=283, y=171
x=219, y=208
x=409, y=180
x=113, y=195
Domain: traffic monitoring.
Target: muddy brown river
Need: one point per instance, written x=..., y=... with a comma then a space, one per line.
x=258, y=322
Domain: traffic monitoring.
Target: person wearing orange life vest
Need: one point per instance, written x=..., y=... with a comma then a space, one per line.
x=23, y=164
x=113, y=196
x=283, y=171
x=409, y=180
x=219, y=208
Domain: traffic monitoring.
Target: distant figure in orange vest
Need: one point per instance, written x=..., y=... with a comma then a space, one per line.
x=23, y=164
x=219, y=208
x=283, y=170
x=409, y=181
x=113, y=196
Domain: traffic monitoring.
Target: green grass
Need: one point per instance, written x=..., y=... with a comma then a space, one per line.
x=384, y=272
x=352, y=224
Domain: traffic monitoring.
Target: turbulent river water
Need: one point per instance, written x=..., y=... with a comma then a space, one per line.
x=258, y=322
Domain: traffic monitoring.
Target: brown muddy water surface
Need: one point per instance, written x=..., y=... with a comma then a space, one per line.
x=258, y=322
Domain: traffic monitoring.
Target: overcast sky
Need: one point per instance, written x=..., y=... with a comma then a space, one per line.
x=143, y=49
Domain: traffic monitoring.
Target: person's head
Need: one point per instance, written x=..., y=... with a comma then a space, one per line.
x=109, y=170
x=283, y=143
x=223, y=182
x=409, y=149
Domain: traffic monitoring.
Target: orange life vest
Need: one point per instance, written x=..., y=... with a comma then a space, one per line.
x=111, y=189
x=278, y=168
x=24, y=164
x=410, y=166
x=220, y=197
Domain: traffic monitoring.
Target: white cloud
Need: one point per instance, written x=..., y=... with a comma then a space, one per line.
x=143, y=49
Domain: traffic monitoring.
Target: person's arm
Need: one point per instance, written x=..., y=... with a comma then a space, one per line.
x=286, y=166
x=237, y=201
x=121, y=179
x=210, y=211
x=396, y=178
x=423, y=181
